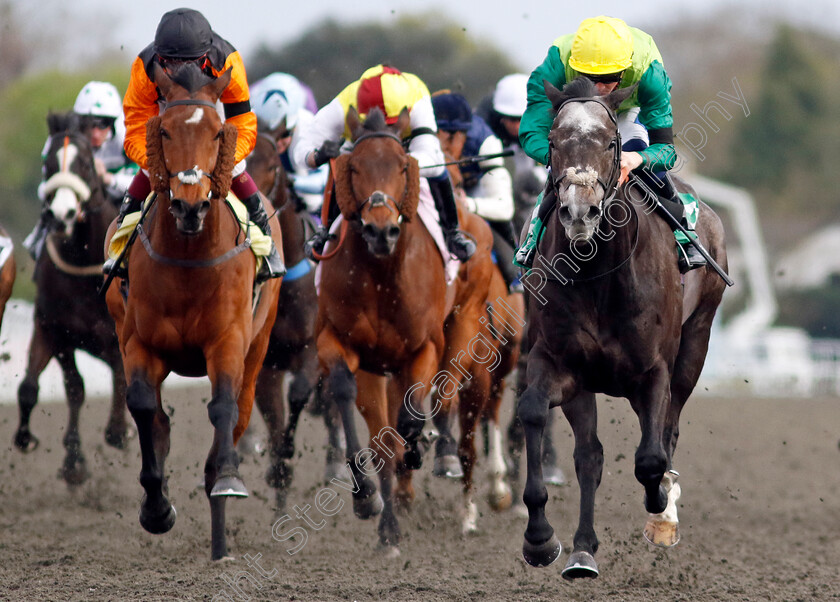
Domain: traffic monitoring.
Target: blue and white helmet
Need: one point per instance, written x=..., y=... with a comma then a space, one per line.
x=276, y=97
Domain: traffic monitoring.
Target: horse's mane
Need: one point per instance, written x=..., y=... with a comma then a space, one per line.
x=581, y=87
x=375, y=121
x=189, y=76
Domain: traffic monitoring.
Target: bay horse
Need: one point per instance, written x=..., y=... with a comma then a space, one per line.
x=191, y=306
x=387, y=321
x=8, y=270
x=291, y=347
x=69, y=314
x=609, y=313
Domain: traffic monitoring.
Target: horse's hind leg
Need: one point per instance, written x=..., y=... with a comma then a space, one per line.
x=39, y=356
x=447, y=464
x=74, y=471
x=582, y=414
x=651, y=405
x=117, y=432
x=472, y=400
x=662, y=529
x=269, y=400
x=501, y=496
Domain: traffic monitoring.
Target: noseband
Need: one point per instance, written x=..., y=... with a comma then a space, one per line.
x=610, y=186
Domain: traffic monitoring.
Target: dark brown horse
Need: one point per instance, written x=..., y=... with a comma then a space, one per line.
x=291, y=348
x=191, y=307
x=609, y=312
x=385, y=309
x=69, y=314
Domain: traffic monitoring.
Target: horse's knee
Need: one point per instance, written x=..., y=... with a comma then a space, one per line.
x=300, y=390
x=140, y=398
x=533, y=409
x=340, y=385
x=650, y=466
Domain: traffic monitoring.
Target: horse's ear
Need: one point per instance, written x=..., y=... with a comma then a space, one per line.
x=403, y=125
x=161, y=79
x=218, y=85
x=555, y=95
x=412, y=189
x=155, y=163
x=354, y=122
x=344, y=187
x=614, y=99
x=225, y=161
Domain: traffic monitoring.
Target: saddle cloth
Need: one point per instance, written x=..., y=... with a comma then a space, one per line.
x=260, y=243
x=6, y=248
x=429, y=216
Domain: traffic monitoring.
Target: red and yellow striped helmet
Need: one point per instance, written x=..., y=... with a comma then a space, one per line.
x=387, y=88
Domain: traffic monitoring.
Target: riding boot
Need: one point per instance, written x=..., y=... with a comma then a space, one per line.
x=688, y=257
x=457, y=242
x=130, y=204
x=318, y=240
x=527, y=250
x=503, y=248
x=272, y=266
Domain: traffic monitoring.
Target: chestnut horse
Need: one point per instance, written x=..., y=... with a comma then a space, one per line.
x=609, y=312
x=69, y=313
x=503, y=324
x=385, y=310
x=191, y=307
x=291, y=348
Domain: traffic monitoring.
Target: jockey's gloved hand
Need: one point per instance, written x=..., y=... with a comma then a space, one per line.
x=330, y=149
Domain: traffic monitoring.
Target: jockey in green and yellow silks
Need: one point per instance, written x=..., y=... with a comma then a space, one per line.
x=612, y=55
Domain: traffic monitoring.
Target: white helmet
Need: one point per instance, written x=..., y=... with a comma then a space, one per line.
x=100, y=99
x=276, y=97
x=511, y=95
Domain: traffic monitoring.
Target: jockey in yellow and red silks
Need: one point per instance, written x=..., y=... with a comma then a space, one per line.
x=185, y=36
x=392, y=91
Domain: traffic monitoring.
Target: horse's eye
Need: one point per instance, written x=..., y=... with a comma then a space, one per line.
x=164, y=133
x=218, y=135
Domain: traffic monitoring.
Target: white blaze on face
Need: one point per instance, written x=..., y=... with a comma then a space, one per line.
x=64, y=203
x=196, y=116
x=66, y=155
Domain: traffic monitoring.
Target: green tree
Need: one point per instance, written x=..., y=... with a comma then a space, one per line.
x=329, y=56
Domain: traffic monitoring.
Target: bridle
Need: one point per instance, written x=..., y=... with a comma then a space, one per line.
x=193, y=175
x=610, y=186
x=379, y=198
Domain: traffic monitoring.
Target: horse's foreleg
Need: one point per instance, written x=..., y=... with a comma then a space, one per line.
x=472, y=402
x=651, y=406
x=501, y=496
x=541, y=546
x=39, y=356
x=339, y=388
x=74, y=471
x=269, y=399
x=582, y=415
x=447, y=464
x=157, y=515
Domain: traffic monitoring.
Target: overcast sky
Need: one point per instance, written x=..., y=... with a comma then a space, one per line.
x=522, y=28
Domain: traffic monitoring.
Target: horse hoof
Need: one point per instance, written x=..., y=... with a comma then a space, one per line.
x=229, y=487
x=388, y=551
x=519, y=509
x=413, y=459
x=119, y=437
x=26, y=442
x=552, y=475
x=448, y=467
x=543, y=554
x=581, y=564
x=337, y=470
x=368, y=507
x=158, y=524
x=500, y=500
x=662, y=533
x=74, y=476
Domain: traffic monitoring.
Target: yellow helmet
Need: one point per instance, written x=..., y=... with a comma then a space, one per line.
x=601, y=45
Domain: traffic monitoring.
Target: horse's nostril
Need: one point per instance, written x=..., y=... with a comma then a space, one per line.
x=394, y=232
x=565, y=214
x=593, y=213
x=369, y=231
x=71, y=214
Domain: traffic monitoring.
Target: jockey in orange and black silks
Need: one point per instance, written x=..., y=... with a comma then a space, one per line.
x=185, y=36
